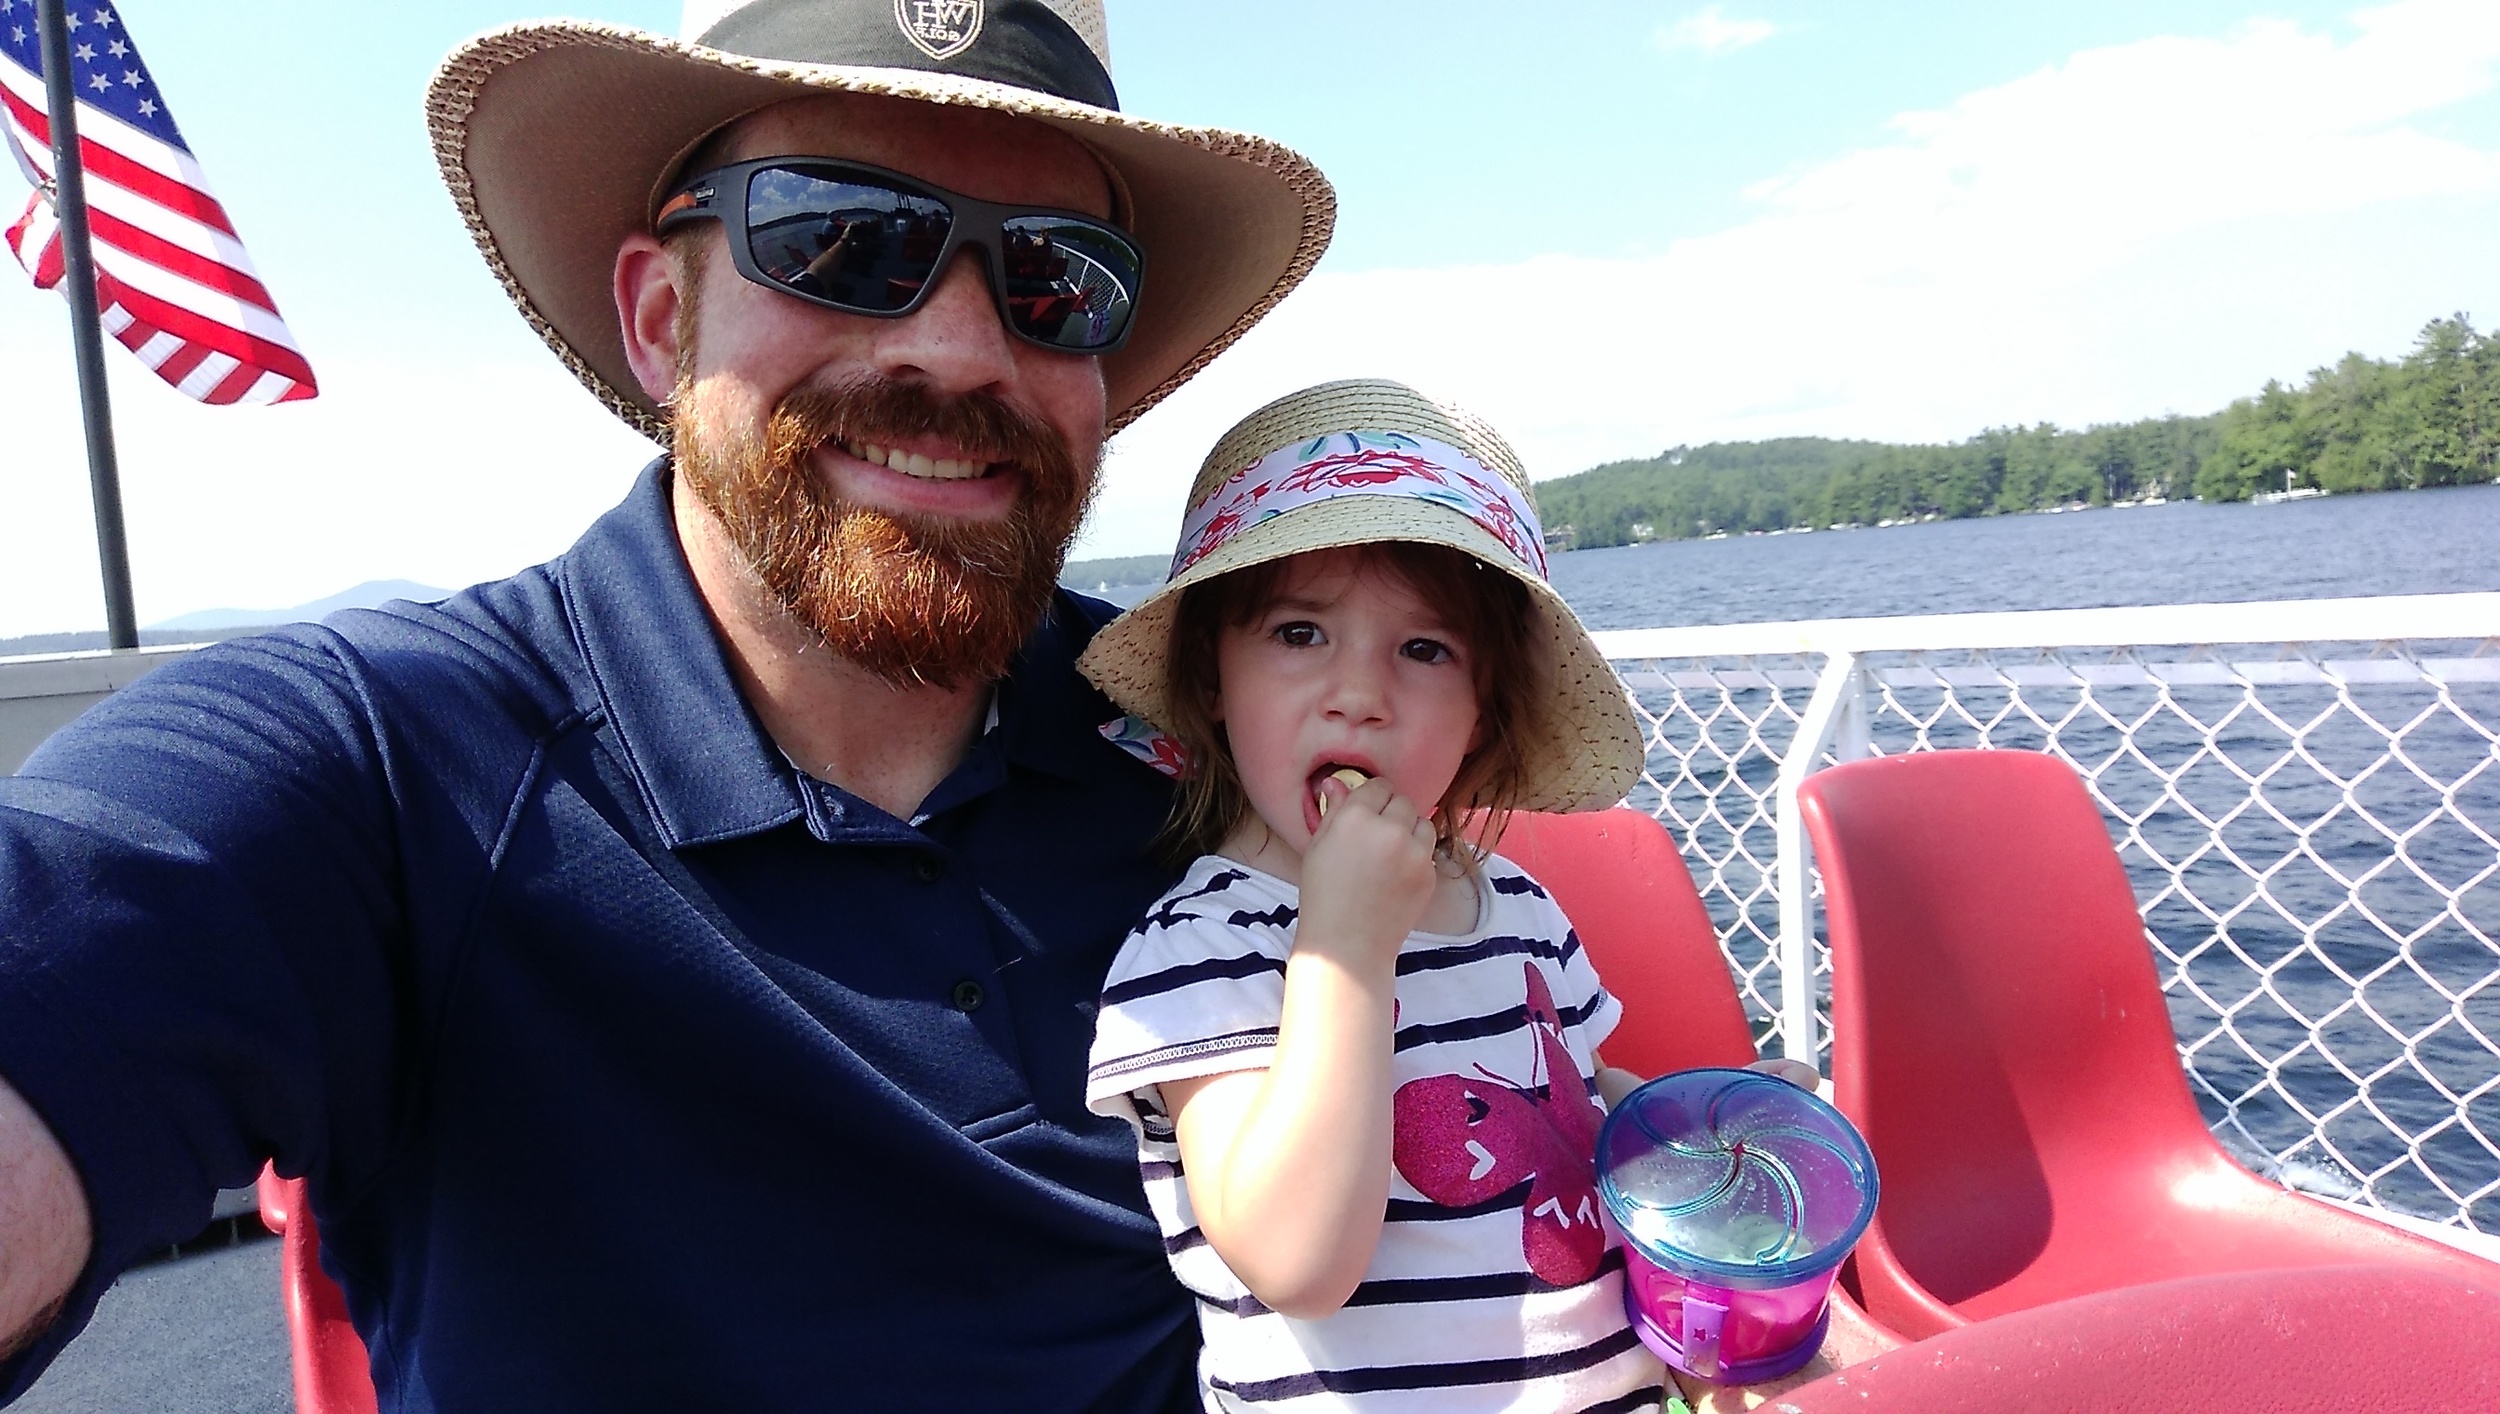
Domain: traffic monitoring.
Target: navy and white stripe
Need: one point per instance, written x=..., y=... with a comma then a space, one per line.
x=1448, y=1317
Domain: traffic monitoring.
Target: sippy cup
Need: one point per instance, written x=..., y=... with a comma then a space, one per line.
x=1737, y=1195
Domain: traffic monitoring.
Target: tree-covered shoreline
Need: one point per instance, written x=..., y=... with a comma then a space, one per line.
x=2431, y=418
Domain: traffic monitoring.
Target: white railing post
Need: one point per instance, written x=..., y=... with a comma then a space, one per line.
x=1837, y=697
x=1853, y=733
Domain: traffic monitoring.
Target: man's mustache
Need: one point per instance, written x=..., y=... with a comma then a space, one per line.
x=868, y=408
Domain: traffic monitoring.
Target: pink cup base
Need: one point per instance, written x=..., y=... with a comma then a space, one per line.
x=1732, y=1372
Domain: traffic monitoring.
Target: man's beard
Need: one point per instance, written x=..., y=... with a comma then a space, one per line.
x=916, y=600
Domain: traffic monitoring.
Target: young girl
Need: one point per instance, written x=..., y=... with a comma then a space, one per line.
x=1358, y=1049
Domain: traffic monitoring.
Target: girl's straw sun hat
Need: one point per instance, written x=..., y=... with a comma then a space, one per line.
x=1361, y=462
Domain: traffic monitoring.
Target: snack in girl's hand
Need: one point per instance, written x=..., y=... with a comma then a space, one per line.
x=1359, y=1056
x=1345, y=776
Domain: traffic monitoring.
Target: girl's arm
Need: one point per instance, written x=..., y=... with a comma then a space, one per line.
x=1288, y=1167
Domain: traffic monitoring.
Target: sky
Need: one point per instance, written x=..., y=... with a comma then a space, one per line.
x=1610, y=227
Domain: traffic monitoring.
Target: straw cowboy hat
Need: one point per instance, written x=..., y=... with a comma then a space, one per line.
x=1360, y=462
x=557, y=139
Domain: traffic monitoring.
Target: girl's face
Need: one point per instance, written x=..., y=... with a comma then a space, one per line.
x=1345, y=666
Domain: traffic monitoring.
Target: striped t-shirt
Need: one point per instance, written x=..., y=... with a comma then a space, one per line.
x=1495, y=1284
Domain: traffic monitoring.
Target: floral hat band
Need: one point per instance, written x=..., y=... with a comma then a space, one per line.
x=1363, y=463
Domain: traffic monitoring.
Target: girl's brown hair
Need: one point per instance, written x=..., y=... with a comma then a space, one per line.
x=1488, y=610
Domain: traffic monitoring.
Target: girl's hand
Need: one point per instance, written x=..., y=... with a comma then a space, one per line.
x=1369, y=873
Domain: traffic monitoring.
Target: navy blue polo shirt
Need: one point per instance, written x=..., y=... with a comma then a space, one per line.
x=632, y=1068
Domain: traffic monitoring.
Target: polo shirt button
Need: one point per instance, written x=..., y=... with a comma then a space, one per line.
x=968, y=995
x=928, y=871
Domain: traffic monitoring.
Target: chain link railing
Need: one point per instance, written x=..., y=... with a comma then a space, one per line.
x=2306, y=796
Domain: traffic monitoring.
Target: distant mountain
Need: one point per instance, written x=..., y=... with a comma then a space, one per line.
x=209, y=625
x=363, y=596
x=1806, y=483
x=2431, y=418
x=1094, y=576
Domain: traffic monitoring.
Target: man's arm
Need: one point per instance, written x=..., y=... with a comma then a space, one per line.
x=44, y=1233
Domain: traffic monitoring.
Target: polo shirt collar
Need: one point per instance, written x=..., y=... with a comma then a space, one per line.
x=1050, y=718
x=706, y=768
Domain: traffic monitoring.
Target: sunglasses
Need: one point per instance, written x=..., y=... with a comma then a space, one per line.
x=867, y=241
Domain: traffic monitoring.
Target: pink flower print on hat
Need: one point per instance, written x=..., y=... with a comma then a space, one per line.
x=1369, y=464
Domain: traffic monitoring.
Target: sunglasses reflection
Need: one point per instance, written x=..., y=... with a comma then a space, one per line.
x=875, y=250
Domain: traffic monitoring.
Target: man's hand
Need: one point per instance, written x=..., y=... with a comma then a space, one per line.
x=1853, y=1337
x=1614, y=1084
x=44, y=1227
x=1795, y=1072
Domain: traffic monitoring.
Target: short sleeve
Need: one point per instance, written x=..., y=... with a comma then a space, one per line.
x=1197, y=989
x=1599, y=1011
x=196, y=894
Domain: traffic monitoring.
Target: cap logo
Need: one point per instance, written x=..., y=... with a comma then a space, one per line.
x=1393, y=464
x=940, y=29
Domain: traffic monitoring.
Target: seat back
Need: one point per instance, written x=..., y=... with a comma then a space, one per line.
x=1998, y=1028
x=332, y=1372
x=2000, y=1035
x=1630, y=898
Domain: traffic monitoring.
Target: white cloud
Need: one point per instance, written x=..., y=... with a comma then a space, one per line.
x=1710, y=31
x=2154, y=226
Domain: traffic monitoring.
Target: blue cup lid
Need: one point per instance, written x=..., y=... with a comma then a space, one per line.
x=1735, y=1178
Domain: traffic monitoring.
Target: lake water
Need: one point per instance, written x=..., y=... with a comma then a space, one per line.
x=2417, y=542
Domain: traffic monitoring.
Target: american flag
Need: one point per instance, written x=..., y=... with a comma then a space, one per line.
x=172, y=280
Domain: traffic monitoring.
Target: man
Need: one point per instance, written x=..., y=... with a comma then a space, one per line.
x=673, y=966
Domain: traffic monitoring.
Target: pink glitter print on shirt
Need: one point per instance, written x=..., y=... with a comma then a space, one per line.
x=1464, y=1139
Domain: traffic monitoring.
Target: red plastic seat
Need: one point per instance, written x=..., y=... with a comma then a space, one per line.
x=332, y=1373
x=2319, y=1340
x=1624, y=885
x=2001, y=1038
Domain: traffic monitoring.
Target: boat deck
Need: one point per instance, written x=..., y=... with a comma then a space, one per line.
x=199, y=1334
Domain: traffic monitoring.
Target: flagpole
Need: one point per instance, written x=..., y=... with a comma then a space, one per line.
x=86, y=331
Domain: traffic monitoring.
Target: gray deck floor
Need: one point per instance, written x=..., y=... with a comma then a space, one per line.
x=202, y=1334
